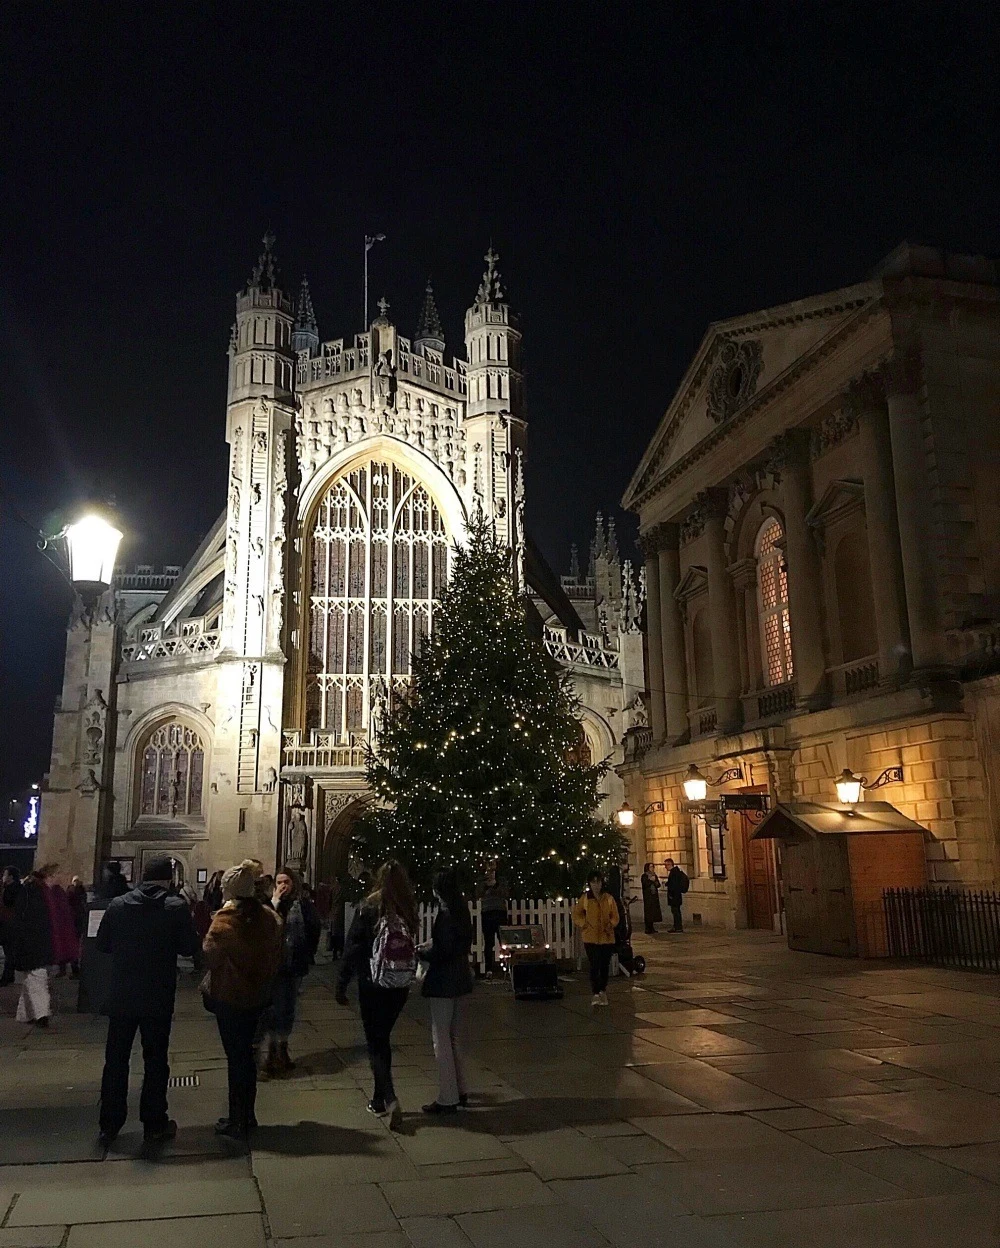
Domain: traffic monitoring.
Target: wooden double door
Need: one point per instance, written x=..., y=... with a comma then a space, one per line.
x=760, y=870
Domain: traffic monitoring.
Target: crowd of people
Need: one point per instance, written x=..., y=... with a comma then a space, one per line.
x=255, y=937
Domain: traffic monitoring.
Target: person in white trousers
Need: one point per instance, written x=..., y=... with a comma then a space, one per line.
x=447, y=985
x=33, y=941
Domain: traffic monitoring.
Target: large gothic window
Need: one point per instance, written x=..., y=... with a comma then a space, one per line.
x=172, y=772
x=378, y=557
x=772, y=604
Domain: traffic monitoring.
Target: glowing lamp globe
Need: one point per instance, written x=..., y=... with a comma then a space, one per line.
x=625, y=816
x=695, y=785
x=848, y=787
x=92, y=546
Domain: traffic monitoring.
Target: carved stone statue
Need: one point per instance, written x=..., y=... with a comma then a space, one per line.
x=297, y=839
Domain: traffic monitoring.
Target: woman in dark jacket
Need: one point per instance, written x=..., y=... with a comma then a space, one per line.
x=447, y=983
x=651, y=911
x=302, y=929
x=33, y=936
x=391, y=900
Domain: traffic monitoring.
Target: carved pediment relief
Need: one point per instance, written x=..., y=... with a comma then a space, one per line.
x=733, y=381
x=693, y=582
x=839, y=500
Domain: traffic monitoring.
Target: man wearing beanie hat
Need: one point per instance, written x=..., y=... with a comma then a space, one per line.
x=143, y=932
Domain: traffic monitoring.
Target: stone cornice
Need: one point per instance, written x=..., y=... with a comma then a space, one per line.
x=649, y=485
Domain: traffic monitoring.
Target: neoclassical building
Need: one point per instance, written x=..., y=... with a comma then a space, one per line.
x=223, y=709
x=819, y=515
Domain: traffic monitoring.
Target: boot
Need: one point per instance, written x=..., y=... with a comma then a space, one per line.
x=284, y=1062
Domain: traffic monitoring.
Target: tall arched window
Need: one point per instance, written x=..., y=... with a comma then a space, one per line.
x=172, y=772
x=378, y=557
x=772, y=604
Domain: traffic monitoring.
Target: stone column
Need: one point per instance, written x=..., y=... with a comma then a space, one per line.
x=722, y=614
x=744, y=574
x=654, y=643
x=672, y=633
x=805, y=584
x=914, y=512
x=867, y=399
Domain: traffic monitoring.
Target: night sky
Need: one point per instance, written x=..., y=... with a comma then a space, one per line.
x=640, y=175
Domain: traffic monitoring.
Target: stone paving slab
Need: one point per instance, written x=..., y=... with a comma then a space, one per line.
x=238, y=1231
x=33, y=1237
x=187, y=1197
x=305, y=1205
x=465, y=1195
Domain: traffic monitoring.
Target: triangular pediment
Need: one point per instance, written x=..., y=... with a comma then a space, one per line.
x=693, y=582
x=741, y=362
x=838, y=499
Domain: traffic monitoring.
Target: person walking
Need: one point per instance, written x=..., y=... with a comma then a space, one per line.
x=65, y=942
x=10, y=890
x=33, y=956
x=381, y=950
x=242, y=950
x=143, y=933
x=302, y=932
x=76, y=895
x=596, y=917
x=447, y=983
x=651, y=911
x=494, y=906
x=113, y=883
x=212, y=895
x=677, y=885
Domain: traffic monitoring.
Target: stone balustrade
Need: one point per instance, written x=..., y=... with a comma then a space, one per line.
x=180, y=639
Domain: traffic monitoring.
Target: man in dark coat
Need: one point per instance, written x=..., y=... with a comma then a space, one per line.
x=33, y=947
x=10, y=890
x=677, y=886
x=143, y=932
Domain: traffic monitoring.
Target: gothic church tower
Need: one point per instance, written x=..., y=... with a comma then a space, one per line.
x=247, y=752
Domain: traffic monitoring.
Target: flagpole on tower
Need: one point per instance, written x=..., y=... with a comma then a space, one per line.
x=370, y=241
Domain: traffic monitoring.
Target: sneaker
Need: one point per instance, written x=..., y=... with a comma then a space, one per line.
x=602, y=999
x=595, y=999
x=107, y=1137
x=41, y=1022
x=160, y=1135
x=435, y=1107
x=463, y=1099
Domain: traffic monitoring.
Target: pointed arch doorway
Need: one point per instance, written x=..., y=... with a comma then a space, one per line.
x=341, y=812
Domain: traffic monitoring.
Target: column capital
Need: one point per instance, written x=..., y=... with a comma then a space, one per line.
x=710, y=504
x=902, y=372
x=659, y=537
x=865, y=394
x=744, y=573
x=789, y=449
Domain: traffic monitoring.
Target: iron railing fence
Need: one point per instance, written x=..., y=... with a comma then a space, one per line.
x=944, y=926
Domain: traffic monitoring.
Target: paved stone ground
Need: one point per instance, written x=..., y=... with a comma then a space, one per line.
x=738, y=1095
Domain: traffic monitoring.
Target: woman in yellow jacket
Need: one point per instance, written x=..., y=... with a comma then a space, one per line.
x=596, y=917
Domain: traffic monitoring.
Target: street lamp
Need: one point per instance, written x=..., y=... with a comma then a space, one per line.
x=91, y=547
x=696, y=784
x=626, y=815
x=850, y=787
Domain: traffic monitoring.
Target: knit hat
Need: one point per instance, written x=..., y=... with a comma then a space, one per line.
x=238, y=883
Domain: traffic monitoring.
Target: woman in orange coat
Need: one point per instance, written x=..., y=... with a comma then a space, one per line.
x=596, y=917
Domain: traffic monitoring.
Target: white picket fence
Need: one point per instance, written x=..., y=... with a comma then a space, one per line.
x=555, y=918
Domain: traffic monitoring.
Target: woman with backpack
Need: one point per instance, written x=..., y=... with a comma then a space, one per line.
x=447, y=983
x=595, y=916
x=381, y=949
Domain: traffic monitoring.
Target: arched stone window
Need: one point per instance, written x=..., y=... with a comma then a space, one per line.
x=855, y=600
x=378, y=561
x=772, y=604
x=172, y=772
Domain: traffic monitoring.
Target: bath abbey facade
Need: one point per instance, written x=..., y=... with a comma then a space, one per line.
x=223, y=709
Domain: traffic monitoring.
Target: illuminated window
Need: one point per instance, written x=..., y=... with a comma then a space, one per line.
x=378, y=564
x=172, y=772
x=772, y=605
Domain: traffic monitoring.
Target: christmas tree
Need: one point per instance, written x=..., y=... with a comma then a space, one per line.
x=480, y=761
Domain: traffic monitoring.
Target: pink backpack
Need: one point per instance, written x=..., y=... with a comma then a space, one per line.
x=394, y=954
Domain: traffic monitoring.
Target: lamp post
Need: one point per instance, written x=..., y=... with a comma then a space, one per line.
x=850, y=788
